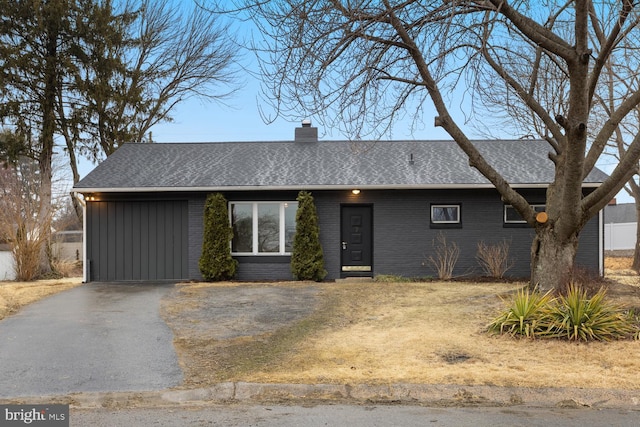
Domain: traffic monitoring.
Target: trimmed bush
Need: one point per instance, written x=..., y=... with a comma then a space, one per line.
x=216, y=262
x=307, y=258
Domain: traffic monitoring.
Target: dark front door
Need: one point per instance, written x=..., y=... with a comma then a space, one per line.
x=357, y=240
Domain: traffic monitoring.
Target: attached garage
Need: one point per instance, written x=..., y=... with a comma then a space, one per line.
x=137, y=240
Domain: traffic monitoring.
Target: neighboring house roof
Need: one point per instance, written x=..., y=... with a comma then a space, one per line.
x=620, y=214
x=318, y=165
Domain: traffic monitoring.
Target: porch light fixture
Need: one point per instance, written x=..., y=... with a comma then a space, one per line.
x=355, y=191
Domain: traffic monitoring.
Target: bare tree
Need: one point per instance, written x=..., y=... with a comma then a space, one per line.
x=621, y=78
x=25, y=217
x=97, y=73
x=134, y=75
x=363, y=63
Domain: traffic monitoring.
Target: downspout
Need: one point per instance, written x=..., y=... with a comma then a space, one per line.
x=601, y=242
x=83, y=203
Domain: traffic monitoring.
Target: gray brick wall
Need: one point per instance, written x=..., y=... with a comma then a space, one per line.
x=252, y=271
x=402, y=235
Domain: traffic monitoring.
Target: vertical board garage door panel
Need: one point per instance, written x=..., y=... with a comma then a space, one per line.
x=184, y=239
x=119, y=234
x=103, y=260
x=161, y=242
x=153, y=243
x=180, y=235
x=130, y=234
x=94, y=231
x=115, y=257
x=137, y=240
x=136, y=233
x=144, y=240
x=171, y=241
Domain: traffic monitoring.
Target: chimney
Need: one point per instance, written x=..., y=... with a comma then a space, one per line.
x=306, y=133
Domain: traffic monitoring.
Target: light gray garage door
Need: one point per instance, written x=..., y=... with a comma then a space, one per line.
x=137, y=240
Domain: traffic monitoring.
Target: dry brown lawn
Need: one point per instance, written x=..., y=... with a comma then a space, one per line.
x=618, y=264
x=14, y=295
x=381, y=333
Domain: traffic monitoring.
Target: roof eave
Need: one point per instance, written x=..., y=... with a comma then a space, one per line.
x=307, y=187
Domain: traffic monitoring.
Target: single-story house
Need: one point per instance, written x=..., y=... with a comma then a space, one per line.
x=380, y=204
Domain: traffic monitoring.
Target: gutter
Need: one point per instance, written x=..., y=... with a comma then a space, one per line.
x=306, y=187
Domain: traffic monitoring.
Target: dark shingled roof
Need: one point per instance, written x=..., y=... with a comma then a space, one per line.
x=317, y=165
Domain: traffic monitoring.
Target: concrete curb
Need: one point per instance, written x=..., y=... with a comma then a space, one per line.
x=409, y=394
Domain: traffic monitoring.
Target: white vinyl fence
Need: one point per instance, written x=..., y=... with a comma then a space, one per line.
x=6, y=266
x=620, y=236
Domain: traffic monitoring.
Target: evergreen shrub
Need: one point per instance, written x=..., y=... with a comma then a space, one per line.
x=307, y=258
x=216, y=263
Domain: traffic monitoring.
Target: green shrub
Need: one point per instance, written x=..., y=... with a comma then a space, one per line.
x=577, y=317
x=573, y=316
x=216, y=262
x=525, y=316
x=307, y=258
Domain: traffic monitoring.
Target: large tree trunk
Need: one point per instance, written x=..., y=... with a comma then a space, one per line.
x=48, y=102
x=552, y=260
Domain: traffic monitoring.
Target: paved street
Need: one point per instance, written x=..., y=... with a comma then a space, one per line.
x=96, y=337
x=354, y=416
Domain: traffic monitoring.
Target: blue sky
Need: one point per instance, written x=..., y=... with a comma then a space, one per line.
x=238, y=119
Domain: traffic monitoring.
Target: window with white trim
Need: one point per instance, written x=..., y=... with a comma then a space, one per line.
x=263, y=228
x=512, y=216
x=445, y=214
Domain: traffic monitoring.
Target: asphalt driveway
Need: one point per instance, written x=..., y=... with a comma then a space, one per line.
x=96, y=337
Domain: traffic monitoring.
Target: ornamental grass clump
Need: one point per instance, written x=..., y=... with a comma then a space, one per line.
x=573, y=316
x=527, y=314
x=577, y=317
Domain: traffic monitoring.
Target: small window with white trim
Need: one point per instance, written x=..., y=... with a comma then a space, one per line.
x=512, y=216
x=445, y=215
